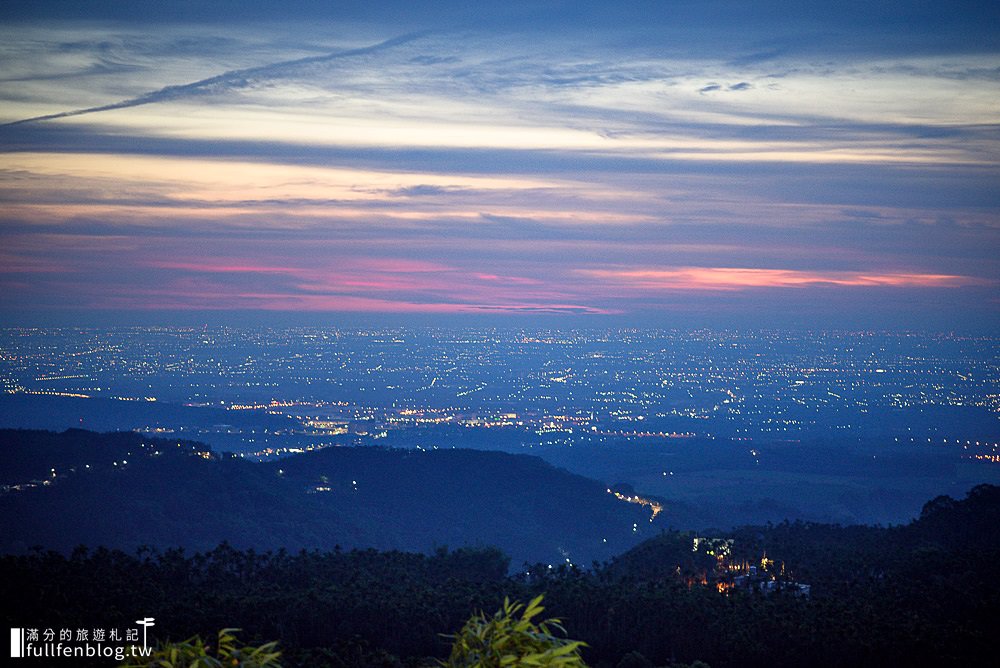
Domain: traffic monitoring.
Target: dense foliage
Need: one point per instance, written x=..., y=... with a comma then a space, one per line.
x=921, y=594
x=228, y=652
x=509, y=637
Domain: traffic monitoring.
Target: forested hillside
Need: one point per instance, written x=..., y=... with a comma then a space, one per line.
x=125, y=491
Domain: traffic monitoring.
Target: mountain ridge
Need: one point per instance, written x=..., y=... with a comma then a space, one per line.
x=177, y=494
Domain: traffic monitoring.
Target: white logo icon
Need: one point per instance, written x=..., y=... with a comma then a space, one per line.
x=146, y=623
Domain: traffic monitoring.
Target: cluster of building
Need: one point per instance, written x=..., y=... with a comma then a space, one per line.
x=729, y=574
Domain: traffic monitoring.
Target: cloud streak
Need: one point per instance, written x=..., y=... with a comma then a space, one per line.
x=735, y=278
x=233, y=79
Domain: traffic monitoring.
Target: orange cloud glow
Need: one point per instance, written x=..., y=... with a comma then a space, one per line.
x=735, y=278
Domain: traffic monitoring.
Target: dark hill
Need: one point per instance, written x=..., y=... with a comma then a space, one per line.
x=28, y=455
x=942, y=540
x=352, y=497
x=420, y=499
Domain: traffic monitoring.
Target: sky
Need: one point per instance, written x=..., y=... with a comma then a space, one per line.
x=765, y=164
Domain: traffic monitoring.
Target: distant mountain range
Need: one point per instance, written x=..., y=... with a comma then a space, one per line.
x=124, y=490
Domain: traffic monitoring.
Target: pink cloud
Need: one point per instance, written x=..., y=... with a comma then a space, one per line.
x=216, y=268
x=358, y=285
x=511, y=280
x=734, y=278
x=396, y=265
x=361, y=265
x=183, y=297
x=373, y=277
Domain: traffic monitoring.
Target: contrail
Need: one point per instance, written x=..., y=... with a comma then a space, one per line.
x=226, y=79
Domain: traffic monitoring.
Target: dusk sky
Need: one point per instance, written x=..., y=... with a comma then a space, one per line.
x=672, y=163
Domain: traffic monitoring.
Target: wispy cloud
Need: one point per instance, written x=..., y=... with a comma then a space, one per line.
x=521, y=159
x=234, y=79
x=736, y=278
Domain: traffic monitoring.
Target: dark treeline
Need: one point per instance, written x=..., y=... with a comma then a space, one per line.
x=921, y=594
